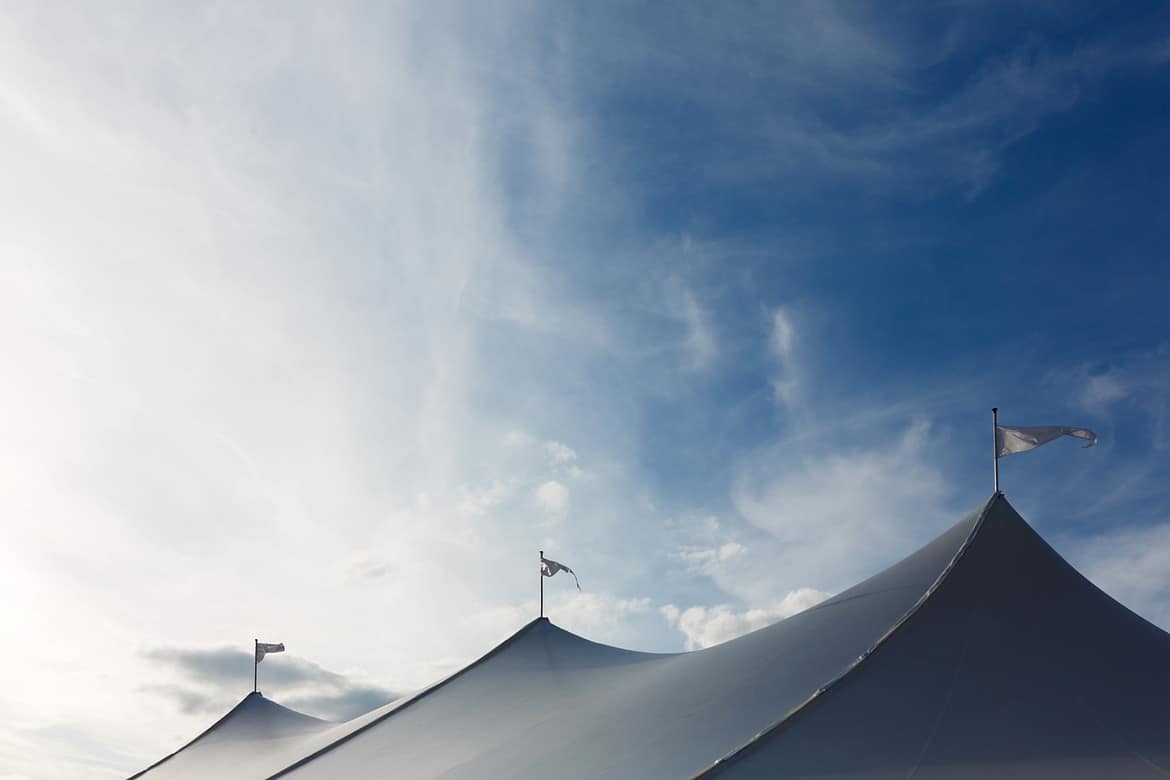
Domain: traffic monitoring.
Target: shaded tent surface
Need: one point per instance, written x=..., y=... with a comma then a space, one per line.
x=258, y=738
x=982, y=654
x=1015, y=667
x=242, y=743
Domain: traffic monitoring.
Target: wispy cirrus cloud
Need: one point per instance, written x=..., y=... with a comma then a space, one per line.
x=1130, y=564
x=870, y=113
x=701, y=340
x=368, y=306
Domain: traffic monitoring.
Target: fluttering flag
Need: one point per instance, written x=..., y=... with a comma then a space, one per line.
x=549, y=568
x=1010, y=439
x=264, y=648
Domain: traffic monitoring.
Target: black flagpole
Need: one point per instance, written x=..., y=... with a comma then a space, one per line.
x=255, y=665
x=542, y=583
x=995, y=442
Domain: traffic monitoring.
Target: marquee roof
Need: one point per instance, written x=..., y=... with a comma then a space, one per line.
x=981, y=654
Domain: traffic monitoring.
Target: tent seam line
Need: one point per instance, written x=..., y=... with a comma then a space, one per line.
x=735, y=753
x=938, y=718
x=411, y=700
x=200, y=736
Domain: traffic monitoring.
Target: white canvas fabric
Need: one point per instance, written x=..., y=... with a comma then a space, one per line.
x=549, y=568
x=264, y=648
x=984, y=654
x=1015, y=667
x=1012, y=439
x=255, y=739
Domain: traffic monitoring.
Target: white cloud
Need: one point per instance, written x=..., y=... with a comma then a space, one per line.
x=786, y=391
x=586, y=612
x=254, y=350
x=1138, y=380
x=707, y=560
x=518, y=439
x=553, y=496
x=1131, y=564
x=783, y=333
x=479, y=500
x=827, y=520
x=707, y=626
x=919, y=138
x=701, y=340
x=576, y=472
x=555, y=454
x=204, y=681
x=559, y=453
x=729, y=550
x=782, y=342
x=589, y=612
x=282, y=328
x=1102, y=390
x=1142, y=373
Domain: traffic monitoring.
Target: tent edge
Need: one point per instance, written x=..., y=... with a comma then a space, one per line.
x=419, y=695
x=718, y=764
x=196, y=738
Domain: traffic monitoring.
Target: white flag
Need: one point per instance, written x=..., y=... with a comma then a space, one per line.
x=264, y=648
x=1010, y=440
x=549, y=568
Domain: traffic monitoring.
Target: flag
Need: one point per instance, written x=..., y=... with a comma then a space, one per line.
x=549, y=568
x=1009, y=440
x=264, y=648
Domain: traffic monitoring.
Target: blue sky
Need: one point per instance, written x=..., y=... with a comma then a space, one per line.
x=319, y=323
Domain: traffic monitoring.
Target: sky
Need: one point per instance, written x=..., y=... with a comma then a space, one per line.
x=319, y=321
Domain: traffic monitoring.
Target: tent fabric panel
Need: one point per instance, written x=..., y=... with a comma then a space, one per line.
x=1015, y=667
x=602, y=712
x=254, y=736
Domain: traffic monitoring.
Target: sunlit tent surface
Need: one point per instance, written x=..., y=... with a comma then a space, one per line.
x=984, y=654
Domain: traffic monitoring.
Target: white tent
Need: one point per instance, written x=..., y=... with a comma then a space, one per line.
x=983, y=654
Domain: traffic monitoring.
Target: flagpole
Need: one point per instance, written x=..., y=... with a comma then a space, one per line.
x=255, y=666
x=995, y=443
x=542, y=583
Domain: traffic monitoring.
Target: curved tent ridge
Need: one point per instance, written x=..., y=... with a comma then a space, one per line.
x=200, y=736
x=601, y=710
x=982, y=653
x=1016, y=666
x=250, y=712
x=718, y=763
x=407, y=701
